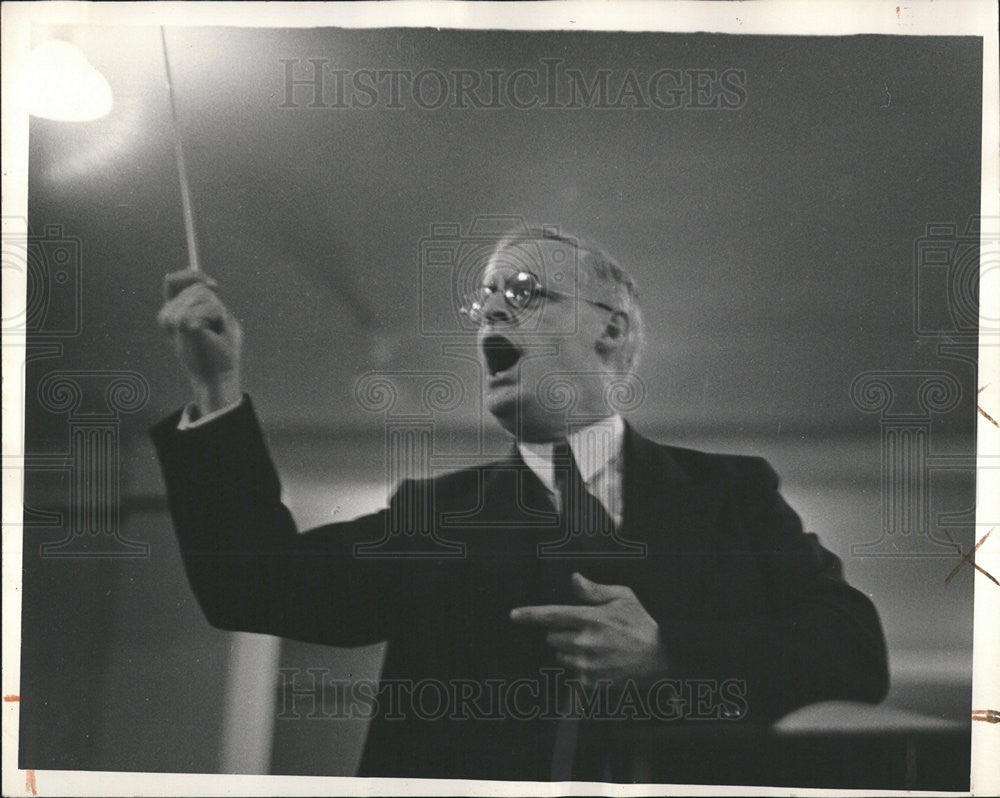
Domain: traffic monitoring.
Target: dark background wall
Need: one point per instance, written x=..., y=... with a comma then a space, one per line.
x=775, y=244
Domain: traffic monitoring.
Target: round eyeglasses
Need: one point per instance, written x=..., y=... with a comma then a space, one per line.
x=522, y=292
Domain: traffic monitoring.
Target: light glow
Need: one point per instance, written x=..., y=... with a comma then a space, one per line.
x=61, y=84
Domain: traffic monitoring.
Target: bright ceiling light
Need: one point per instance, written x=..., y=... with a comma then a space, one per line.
x=61, y=84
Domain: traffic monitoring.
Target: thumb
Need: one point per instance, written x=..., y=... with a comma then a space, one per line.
x=593, y=592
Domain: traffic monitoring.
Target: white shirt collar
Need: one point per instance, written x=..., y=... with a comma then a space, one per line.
x=594, y=448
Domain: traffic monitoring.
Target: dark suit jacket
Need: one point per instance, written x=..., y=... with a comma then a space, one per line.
x=743, y=597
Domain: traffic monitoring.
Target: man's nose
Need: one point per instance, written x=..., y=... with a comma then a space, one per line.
x=496, y=310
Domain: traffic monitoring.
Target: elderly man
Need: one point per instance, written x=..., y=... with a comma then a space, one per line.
x=613, y=591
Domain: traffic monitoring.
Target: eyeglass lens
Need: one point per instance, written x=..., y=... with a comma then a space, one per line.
x=519, y=289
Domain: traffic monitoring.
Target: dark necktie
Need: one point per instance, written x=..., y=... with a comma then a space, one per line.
x=587, y=526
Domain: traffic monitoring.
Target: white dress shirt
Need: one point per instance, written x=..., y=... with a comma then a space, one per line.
x=597, y=450
x=190, y=418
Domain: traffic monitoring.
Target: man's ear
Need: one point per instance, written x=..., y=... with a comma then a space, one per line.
x=614, y=336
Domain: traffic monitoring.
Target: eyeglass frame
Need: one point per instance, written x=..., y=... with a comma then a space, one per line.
x=476, y=309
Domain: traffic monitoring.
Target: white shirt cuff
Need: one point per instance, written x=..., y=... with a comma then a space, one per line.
x=190, y=418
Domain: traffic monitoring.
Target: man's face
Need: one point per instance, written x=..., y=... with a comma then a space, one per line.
x=541, y=365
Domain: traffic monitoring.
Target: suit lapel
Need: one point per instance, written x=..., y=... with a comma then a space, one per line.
x=514, y=496
x=653, y=484
x=674, y=515
x=516, y=515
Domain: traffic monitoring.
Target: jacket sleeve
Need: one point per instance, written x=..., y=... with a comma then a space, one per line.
x=249, y=567
x=816, y=639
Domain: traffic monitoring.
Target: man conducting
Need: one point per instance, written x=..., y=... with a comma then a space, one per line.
x=615, y=597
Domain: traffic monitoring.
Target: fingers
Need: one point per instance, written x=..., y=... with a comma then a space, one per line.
x=573, y=654
x=568, y=641
x=571, y=616
x=586, y=671
x=175, y=282
x=195, y=307
x=554, y=615
x=596, y=593
x=577, y=662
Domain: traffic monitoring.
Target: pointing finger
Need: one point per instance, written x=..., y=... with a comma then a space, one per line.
x=554, y=615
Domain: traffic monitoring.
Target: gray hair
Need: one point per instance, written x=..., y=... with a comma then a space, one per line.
x=609, y=272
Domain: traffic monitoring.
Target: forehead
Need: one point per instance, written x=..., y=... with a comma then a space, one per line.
x=559, y=266
x=549, y=260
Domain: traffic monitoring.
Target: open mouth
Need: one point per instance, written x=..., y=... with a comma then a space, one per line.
x=501, y=354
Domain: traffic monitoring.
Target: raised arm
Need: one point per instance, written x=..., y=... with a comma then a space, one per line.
x=249, y=567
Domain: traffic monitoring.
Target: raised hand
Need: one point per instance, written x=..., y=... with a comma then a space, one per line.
x=207, y=338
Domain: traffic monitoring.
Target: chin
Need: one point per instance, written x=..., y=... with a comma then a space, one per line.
x=503, y=407
x=523, y=421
